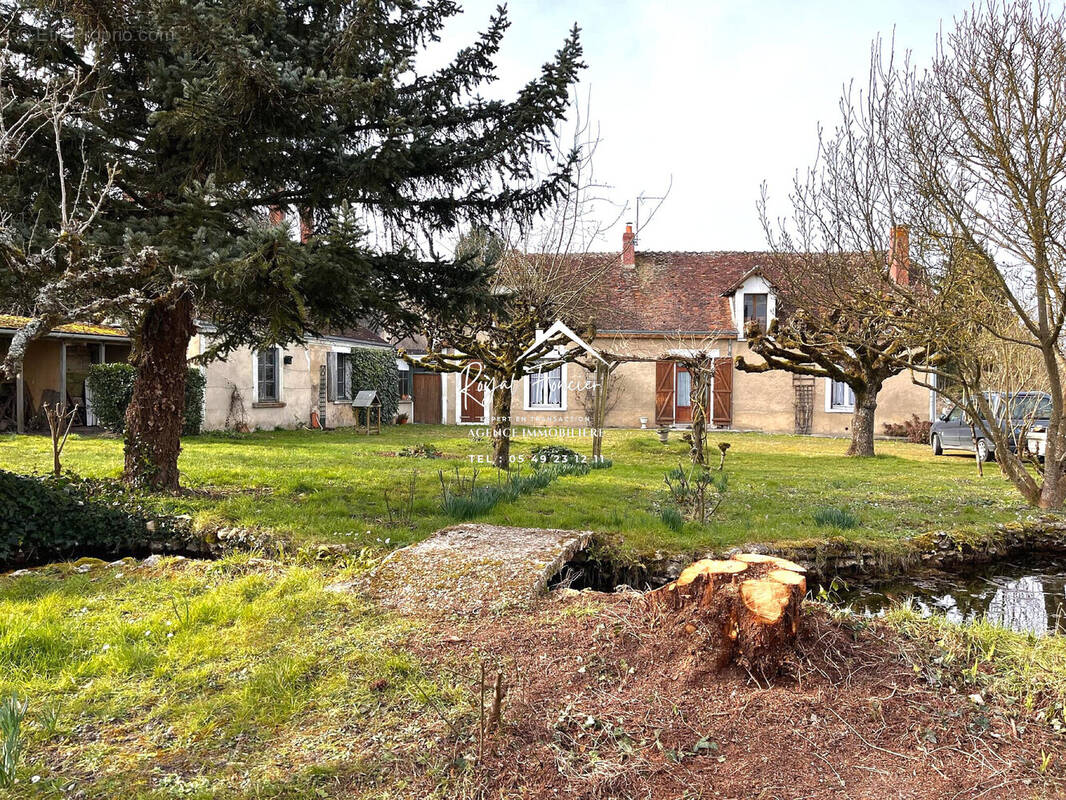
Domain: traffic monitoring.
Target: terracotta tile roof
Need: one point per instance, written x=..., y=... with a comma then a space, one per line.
x=12, y=322
x=676, y=291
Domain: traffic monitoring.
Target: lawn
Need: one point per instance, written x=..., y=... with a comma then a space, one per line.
x=312, y=487
x=210, y=679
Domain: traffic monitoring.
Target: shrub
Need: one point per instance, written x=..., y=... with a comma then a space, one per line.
x=112, y=387
x=375, y=370
x=832, y=517
x=914, y=430
x=56, y=518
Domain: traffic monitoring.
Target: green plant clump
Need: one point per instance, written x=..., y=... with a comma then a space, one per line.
x=672, y=518
x=12, y=711
x=112, y=387
x=833, y=517
x=421, y=450
x=61, y=517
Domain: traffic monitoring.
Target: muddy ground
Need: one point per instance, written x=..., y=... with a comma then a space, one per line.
x=602, y=702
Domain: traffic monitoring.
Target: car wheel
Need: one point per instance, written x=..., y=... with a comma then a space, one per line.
x=982, y=451
x=938, y=448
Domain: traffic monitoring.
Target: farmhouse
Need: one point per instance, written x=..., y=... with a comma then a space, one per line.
x=657, y=305
x=661, y=304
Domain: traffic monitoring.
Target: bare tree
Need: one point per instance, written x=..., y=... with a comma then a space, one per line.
x=840, y=261
x=978, y=143
x=545, y=272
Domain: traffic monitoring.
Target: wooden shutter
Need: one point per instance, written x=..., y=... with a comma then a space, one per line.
x=722, y=415
x=664, y=392
x=331, y=376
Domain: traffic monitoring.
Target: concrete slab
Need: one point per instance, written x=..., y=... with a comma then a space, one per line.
x=473, y=568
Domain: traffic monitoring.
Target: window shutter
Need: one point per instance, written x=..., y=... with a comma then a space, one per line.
x=331, y=376
x=664, y=392
x=722, y=416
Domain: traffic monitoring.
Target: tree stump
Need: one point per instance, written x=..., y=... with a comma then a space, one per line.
x=744, y=610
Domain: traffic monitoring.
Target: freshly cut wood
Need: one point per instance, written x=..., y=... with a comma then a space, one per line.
x=775, y=561
x=746, y=610
x=697, y=584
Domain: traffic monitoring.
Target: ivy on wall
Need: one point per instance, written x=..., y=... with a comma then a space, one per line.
x=375, y=370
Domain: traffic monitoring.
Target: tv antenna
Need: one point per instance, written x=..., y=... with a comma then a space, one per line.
x=657, y=199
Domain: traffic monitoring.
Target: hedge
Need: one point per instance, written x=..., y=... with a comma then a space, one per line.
x=375, y=369
x=112, y=387
x=57, y=518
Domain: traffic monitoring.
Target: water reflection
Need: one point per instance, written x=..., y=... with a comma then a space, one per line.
x=1026, y=596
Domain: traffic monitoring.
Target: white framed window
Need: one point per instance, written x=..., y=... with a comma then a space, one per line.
x=839, y=397
x=344, y=376
x=268, y=377
x=339, y=376
x=545, y=390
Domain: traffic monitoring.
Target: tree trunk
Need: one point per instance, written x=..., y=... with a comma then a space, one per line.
x=155, y=414
x=701, y=373
x=745, y=610
x=1053, y=490
x=862, y=422
x=599, y=409
x=501, y=425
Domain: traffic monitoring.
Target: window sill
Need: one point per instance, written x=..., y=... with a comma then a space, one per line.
x=544, y=408
x=268, y=404
x=840, y=410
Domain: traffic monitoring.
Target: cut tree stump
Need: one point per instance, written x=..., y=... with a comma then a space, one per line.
x=744, y=610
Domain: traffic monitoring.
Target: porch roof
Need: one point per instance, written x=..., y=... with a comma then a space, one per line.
x=9, y=323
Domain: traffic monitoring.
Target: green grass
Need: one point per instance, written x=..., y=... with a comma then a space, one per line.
x=208, y=679
x=316, y=487
x=1014, y=669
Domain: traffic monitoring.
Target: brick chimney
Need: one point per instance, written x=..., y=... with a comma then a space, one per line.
x=305, y=225
x=629, y=254
x=276, y=215
x=899, y=255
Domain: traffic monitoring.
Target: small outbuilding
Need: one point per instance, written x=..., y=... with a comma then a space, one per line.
x=368, y=407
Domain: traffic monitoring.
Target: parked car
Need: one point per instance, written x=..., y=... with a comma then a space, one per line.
x=1019, y=414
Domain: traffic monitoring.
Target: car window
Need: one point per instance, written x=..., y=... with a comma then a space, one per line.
x=957, y=414
x=1031, y=406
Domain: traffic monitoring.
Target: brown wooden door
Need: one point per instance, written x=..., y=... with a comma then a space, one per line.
x=472, y=396
x=664, y=392
x=682, y=395
x=426, y=391
x=722, y=414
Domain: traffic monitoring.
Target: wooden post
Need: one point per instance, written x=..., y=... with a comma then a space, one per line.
x=20, y=402
x=62, y=375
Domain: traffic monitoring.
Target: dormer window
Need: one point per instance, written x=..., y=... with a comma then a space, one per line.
x=755, y=310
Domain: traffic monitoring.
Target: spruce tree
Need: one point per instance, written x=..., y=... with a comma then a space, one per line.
x=220, y=121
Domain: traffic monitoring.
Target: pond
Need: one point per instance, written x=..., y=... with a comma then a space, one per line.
x=1026, y=595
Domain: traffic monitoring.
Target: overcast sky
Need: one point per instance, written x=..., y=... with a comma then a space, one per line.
x=720, y=95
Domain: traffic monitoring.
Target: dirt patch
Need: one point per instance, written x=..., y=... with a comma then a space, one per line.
x=471, y=568
x=603, y=703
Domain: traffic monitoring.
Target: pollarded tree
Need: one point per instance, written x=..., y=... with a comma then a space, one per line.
x=511, y=338
x=209, y=115
x=841, y=265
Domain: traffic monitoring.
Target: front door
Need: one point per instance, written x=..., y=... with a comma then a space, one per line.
x=425, y=391
x=682, y=395
x=471, y=395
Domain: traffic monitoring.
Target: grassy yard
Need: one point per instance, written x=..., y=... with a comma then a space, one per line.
x=330, y=487
x=245, y=679
x=209, y=679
